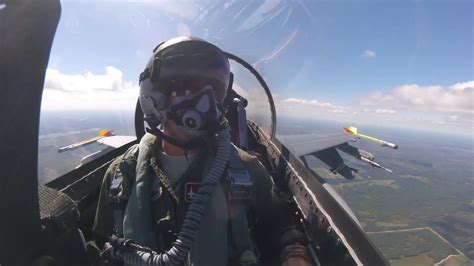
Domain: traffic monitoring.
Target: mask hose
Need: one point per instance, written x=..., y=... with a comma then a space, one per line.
x=178, y=253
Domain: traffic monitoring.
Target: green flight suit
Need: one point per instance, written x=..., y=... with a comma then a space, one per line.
x=132, y=172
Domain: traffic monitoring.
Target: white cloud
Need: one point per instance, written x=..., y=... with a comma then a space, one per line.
x=448, y=109
x=112, y=80
x=434, y=108
x=458, y=98
x=88, y=91
x=461, y=86
x=311, y=108
x=385, y=111
x=368, y=54
x=312, y=103
x=453, y=118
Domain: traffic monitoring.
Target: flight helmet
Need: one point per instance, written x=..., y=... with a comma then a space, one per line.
x=178, y=69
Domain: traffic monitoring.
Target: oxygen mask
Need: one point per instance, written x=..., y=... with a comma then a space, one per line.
x=195, y=115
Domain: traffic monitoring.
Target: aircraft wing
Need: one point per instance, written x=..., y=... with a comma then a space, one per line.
x=116, y=141
x=106, y=138
x=112, y=142
x=80, y=144
x=305, y=144
x=326, y=147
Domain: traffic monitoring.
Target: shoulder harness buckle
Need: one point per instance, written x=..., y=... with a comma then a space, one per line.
x=240, y=182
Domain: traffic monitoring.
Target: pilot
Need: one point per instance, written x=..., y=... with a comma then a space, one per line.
x=185, y=191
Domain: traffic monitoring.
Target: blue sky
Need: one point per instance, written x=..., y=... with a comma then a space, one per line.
x=412, y=60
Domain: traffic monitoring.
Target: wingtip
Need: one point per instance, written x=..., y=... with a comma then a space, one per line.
x=348, y=130
x=106, y=132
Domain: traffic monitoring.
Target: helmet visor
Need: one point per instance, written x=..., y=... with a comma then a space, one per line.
x=188, y=67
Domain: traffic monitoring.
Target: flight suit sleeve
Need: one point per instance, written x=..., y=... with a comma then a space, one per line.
x=104, y=216
x=118, y=178
x=262, y=186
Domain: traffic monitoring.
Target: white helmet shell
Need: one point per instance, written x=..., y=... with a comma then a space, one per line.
x=178, y=64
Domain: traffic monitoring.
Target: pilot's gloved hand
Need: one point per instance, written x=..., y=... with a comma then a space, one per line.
x=295, y=255
x=293, y=247
x=248, y=258
x=110, y=254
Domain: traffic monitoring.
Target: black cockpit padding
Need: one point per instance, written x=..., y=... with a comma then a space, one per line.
x=64, y=242
x=27, y=29
x=59, y=207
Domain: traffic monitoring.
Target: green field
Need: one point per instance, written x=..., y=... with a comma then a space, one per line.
x=418, y=246
x=421, y=259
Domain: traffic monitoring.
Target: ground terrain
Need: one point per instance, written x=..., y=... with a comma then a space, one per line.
x=421, y=214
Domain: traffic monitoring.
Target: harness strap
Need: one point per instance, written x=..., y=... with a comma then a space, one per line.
x=239, y=195
x=118, y=200
x=118, y=192
x=118, y=221
x=163, y=179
